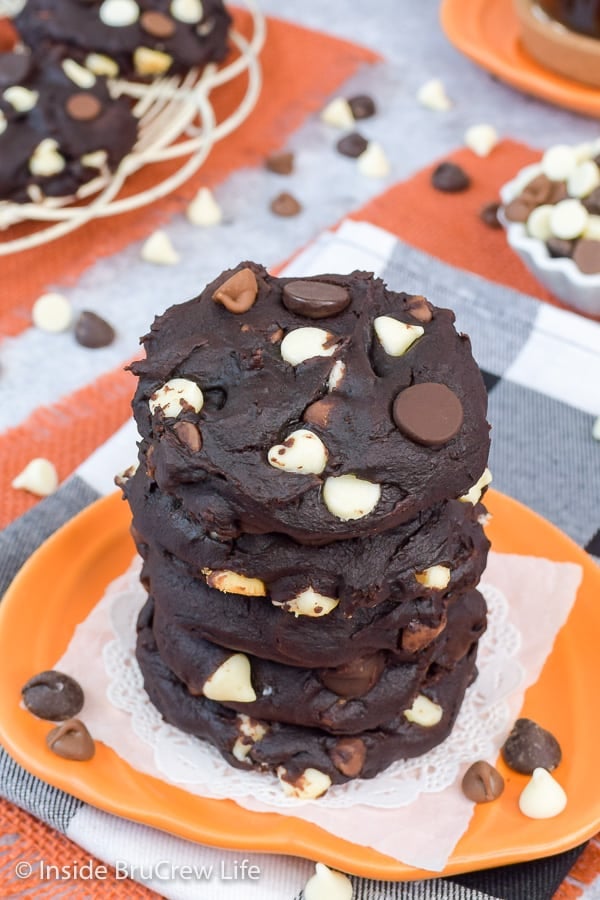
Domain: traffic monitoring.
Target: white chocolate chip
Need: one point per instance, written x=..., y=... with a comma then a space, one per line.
x=569, y=219
x=241, y=749
x=204, y=210
x=584, y=179
x=309, y=603
x=46, y=160
x=229, y=582
x=231, y=681
x=348, y=497
x=303, y=452
x=159, y=250
x=395, y=336
x=596, y=429
x=558, y=162
x=432, y=95
x=305, y=343
x=584, y=151
x=83, y=78
x=100, y=64
x=52, y=313
x=481, y=139
x=424, y=712
x=147, y=61
x=175, y=395
x=188, y=11
x=592, y=229
x=437, y=577
x=310, y=785
x=542, y=797
x=338, y=114
x=119, y=13
x=38, y=477
x=251, y=733
x=538, y=223
x=373, y=162
x=3, y=122
x=20, y=98
x=97, y=159
x=326, y=884
x=473, y=495
x=338, y=370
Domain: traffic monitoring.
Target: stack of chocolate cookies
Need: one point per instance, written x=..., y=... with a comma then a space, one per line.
x=307, y=509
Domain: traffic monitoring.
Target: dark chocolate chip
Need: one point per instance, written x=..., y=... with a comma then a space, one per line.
x=157, y=24
x=189, y=435
x=93, y=331
x=348, y=756
x=355, y=678
x=482, y=782
x=83, y=107
x=362, y=106
x=280, y=163
x=592, y=202
x=352, y=145
x=419, y=308
x=586, y=256
x=14, y=68
x=557, y=247
x=529, y=746
x=285, y=205
x=450, y=178
x=52, y=695
x=71, y=740
x=315, y=299
x=428, y=413
x=489, y=215
x=238, y=293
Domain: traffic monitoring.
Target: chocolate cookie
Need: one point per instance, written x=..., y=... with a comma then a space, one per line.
x=357, y=572
x=59, y=127
x=138, y=39
x=294, y=410
x=291, y=750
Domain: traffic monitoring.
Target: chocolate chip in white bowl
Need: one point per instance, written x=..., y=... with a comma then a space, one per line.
x=52, y=695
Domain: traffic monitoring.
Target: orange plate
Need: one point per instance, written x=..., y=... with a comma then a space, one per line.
x=64, y=579
x=488, y=32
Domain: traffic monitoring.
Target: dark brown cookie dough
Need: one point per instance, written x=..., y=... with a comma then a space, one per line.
x=297, y=748
x=258, y=392
x=140, y=38
x=56, y=135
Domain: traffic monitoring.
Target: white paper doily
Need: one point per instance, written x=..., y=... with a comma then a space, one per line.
x=186, y=760
x=176, y=121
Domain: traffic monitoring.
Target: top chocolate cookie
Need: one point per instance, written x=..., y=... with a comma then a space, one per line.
x=322, y=408
x=128, y=38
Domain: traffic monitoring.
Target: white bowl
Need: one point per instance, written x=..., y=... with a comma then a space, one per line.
x=560, y=275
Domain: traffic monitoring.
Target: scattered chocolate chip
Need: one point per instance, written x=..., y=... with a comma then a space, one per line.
x=157, y=24
x=189, y=435
x=280, y=163
x=587, y=256
x=416, y=636
x=489, y=215
x=362, y=106
x=558, y=247
x=83, y=107
x=529, y=747
x=428, y=413
x=315, y=299
x=318, y=413
x=239, y=292
x=519, y=209
x=352, y=145
x=419, y=308
x=285, y=205
x=482, y=782
x=14, y=68
x=93, y=331
x=355, y=678
x=450, y=178
x=348, y=756
x=52, y=695
x=592, y=202
x=71, y=740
